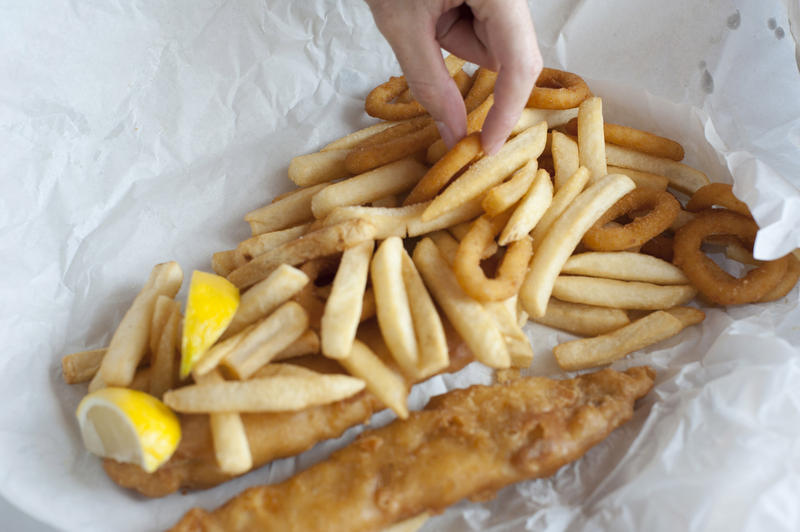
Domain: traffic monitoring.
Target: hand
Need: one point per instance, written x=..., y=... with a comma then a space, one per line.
x=495, y=34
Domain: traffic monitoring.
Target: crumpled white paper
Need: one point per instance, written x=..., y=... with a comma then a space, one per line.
x=134, y=134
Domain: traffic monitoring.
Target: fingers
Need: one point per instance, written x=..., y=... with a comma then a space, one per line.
x=420, y=57
x=511, y=40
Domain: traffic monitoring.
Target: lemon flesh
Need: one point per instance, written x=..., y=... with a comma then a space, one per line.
x=210, y=307
x=128, y=426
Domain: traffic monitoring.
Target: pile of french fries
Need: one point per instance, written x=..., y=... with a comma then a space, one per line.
x=342, y=250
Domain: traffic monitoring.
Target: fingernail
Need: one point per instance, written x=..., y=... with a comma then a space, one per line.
x=447, y=135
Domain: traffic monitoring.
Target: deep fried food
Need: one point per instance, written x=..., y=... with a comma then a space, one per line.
x=717, y=194
x=712, y=281
x=465, y=443
x=556, y=89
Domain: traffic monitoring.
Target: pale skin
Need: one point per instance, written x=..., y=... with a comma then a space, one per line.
x=495, y=34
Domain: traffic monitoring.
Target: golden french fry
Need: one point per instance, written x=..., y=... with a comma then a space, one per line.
x=141, y=381
x=319, y=167
x=355, y=138
x=687, y=315
x=606, y=348
x=307, y=344
x=624, y=266
x=447, y=245
x=388, y=221
x=163, y=375
x=459, y=231
x=343, y=307
x=219, y=351
x=504, y=195
x=642, y=179
x=387, y=385
x=162, y=310
x=254, y=246
x=530, y=209
x=468, y=317
x=394, y=313
x=428, y=329
x=390, y=201
x=268, y=338
x=681, y=177
x=287, y=211
x=231, y=448
x=612, y=293
x=582, y=320
x=565, y=158
x=591, y=139
x=320, y=243
x=568, y=191
x=466, y=211
x=409, y=525
x=284, y=370
x=269, y=394
x=81, y=366
x=564, y=235
x=393, y=178
x=519, y=347
x=265, y=296
x=224, y=262
x=130, y=340
x=489, y=171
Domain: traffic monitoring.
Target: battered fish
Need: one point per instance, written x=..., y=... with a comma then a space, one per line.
x=466, y=443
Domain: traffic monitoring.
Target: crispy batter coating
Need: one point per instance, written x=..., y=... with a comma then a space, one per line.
x=466, y=443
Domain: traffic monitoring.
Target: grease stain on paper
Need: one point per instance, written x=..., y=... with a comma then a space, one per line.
x=707, y=81
x=772, y=23
x=734, y=21
x=779, y=33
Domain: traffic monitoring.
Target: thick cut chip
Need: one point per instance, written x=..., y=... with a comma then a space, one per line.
x=583, y=320
x=621, y=294
x=624, y=266
x=384, y=383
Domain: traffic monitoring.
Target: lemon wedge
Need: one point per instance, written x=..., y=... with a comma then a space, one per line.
x=210, y=307
x=128, y=426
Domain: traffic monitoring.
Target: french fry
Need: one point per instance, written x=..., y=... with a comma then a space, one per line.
x=605, y=349
x=687, y=315
x=265, y=296
x=642, y=179
x=388, y=202
x=565, y=194
x=388, y=221
x=565, y=158
x=448, y=246
x=355, y=138
x=217, y=352
x=268, y=338
x=564, y=235
x=254, y=246
x=130, y=340
x=224, y=262
x=306, y=344
x=461, y=155
x=591, y=142
x=624, y=266
x=81, y=366
x=320, y=243
x=318, y=167
x=428, y=328
x=467, y=316
x=519, y=347
x=681, y=177
x=582, y=320
x=269, y=394
x=393, y=311
x=165, y=359
x=343, y=307
x=489, y=171
x=384, y=383
x=530, y=209
x=612, y=293
x=228, y=436
x=502, y=196
x=466, y=211
x=412, y=524
x=393, y=178
x=639, y=140
x=290, y=210
x=162, y=310
x=284, y=370
x=459, y=231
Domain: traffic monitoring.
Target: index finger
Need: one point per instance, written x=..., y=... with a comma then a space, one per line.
x=512, y=41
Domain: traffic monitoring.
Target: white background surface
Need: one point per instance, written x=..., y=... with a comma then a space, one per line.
x=133, y=134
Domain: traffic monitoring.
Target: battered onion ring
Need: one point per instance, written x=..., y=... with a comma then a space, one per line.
x=635, y=139
x=463, y=153
x=663, y=210
x=557, y=89
x=712, y=281
x=717, y=194
x=511, y=271
x=786, y=284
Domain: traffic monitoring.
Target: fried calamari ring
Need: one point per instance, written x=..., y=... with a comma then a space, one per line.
x=511, y=271
x=717, y=194
x=712, y=281
x=463, y=153
x=380, y=104
x=636, y=139
x=663, y=210
x=557, y=89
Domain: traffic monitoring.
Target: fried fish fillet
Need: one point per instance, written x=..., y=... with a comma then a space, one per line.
x=466, y=443
x=270, y=435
